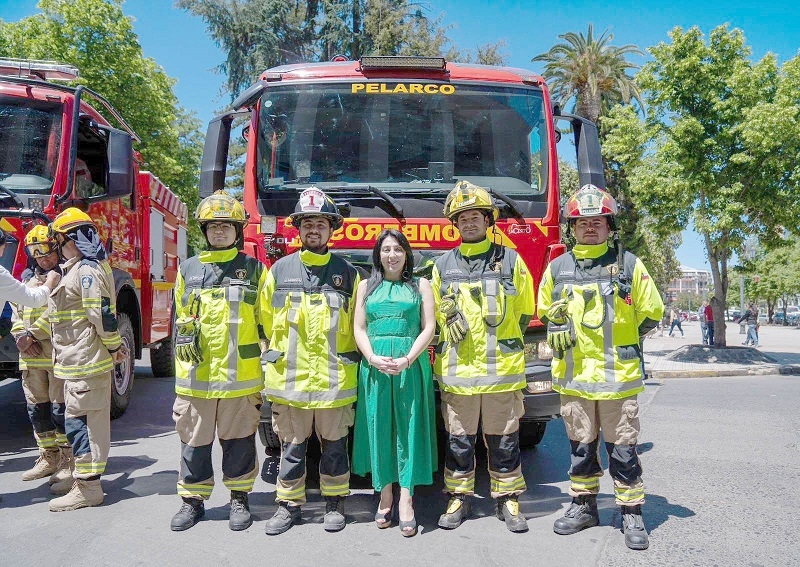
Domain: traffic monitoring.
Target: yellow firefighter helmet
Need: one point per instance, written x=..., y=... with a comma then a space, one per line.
x=39, y=242
x=467, y=196
x=220, y=207
x=69, y=219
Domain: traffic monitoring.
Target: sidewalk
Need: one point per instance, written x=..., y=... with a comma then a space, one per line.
x=675, y=357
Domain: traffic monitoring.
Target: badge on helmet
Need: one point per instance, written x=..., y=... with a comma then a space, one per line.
x=314, y=203
x=467, y=196
x=590, y=201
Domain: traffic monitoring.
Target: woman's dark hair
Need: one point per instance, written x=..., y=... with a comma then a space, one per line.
x=2, y=237
x=376, y=277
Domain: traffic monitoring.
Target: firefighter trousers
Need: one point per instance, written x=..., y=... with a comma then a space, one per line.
x=294, y=426
x=88, y=423
x=499, y=416
x=619, y=422
x=44, y=396
x=235, y=421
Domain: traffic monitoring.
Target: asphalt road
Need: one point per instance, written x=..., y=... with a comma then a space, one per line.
x=721, y=460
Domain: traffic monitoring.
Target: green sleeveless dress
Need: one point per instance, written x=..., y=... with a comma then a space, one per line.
x=395, y=424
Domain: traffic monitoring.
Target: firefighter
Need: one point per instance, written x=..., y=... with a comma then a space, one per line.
x=218, y=367
x=86, y=345
x=15, y=292
x=485, y=300
x=312, y=362
x=598, y=302
x=44, y=394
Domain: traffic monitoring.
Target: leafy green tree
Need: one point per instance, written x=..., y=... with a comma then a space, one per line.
x=774, y=278
x=259, y=34
x=97, y=37
x=591, y=71
x=724, y=139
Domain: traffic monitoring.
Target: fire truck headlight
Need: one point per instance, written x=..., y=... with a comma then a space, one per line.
x=269, y=225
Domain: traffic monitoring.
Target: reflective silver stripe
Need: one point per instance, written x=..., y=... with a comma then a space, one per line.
x=235, y=295
x=192, y=383
x=597, y=387
x=490, y=290
x=481, y=380
x=333, y=358
x=309, y=397
x=491, y=351
x=295, y=302
x=609, y=352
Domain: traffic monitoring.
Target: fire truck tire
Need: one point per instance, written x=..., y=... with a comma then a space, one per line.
x=162, y=359
x=122, y=383
x=531, y=433
x=268, y=436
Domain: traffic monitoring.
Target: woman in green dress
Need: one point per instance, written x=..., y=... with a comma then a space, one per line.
x=395, y=425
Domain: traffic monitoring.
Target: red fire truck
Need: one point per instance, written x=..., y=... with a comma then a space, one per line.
x=387, y=138
x=47, y=130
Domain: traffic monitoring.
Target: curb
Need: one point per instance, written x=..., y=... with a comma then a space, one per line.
x=761, y=370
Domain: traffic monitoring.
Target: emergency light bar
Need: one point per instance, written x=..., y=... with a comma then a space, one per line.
x=44, y=70
x=403, y=62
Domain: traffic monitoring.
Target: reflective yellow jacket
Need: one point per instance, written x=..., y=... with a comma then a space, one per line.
x=606, y=361
x=308, y=302
x=494, y=290
x=223, y=288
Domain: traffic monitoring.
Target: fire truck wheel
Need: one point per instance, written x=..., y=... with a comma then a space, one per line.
x=162, y=359
x=531, y=433
x=123, y=372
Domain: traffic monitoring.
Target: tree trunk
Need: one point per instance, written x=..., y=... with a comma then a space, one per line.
x=719, y=275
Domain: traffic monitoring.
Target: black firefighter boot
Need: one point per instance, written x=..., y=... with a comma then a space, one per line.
x=582, y=514
x=191, y=511
x=507, y=509
x=239, y=518
x=633, y=527
x=458, y=508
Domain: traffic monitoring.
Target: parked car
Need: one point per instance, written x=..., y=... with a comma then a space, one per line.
x=792, y=314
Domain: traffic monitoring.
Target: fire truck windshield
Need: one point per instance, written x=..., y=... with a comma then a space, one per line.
x=404, y=137
x=30, y=136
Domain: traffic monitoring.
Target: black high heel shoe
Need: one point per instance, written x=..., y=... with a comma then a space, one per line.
x=409, y=528
x=383, y=520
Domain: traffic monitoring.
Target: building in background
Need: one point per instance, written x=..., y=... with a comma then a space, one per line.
x=692, y=281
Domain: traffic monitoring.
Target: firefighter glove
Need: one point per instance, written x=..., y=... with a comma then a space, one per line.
x=557, y=312
x=187, y=340
x=561, y=337
x=456, y=326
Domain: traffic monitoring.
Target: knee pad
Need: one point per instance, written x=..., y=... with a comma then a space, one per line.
x=584, y=460
x=460, y=455
x=503, y=452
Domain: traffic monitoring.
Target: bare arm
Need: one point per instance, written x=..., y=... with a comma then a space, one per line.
x=382, y=363
x=360, y=323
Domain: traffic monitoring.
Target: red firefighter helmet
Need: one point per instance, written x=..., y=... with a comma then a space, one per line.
x=590, y=201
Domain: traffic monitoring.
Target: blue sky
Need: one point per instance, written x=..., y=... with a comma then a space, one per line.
x=179, y=43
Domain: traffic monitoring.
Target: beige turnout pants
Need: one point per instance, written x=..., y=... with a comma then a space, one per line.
x=88, y=423
x=619, y=421
x=235, y=420
x=294, y=426
x=499, y=416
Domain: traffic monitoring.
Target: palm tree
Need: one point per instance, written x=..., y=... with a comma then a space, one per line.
x=592, y=71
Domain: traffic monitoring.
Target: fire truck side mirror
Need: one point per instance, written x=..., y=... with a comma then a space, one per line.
x=120, y=164
x=215, y=152
x=587, y=147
